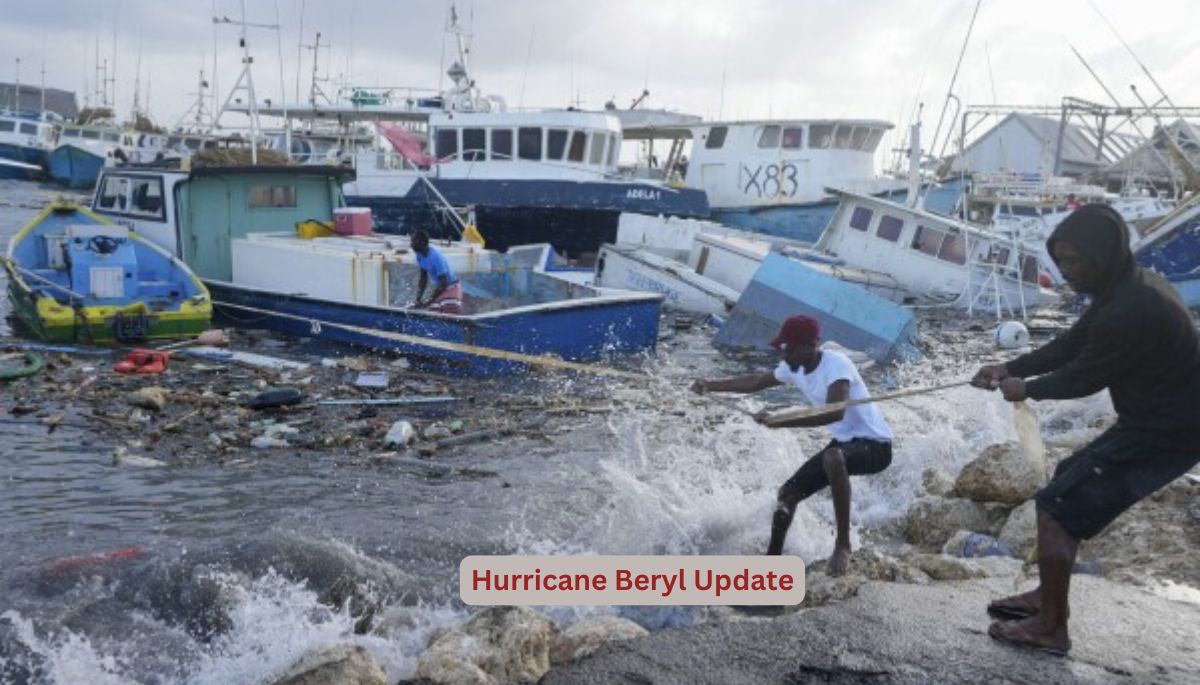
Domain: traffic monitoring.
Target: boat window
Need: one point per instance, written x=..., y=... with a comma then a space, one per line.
x=613, y=144
x=860, y=218
x=841, y=137
x=7, y=126
x=447, y=143
x=858, y=139
x=597, y=154
x=529, y=143
x=927, y=240
x=146, y=197
x=112, y=137
x=70, y=133
x=716, y=137
x=820, y=136
x=793, y=137
x=997, y=255
x=274, y=196
x=873, y=139
x=1029, y=268
x=889, y=228
x=769, y=138
x=502, y=144
x=90, y=135
x=578, y=146
x=1024, y=210
x=112, y=193
x=556, y=143
x=474, y=144
x=29, y=128
x=954, y=249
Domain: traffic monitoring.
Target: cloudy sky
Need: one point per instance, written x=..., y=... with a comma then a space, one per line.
x=776, y=58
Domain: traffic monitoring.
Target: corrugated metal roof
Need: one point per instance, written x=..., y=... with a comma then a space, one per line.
x=61, y=102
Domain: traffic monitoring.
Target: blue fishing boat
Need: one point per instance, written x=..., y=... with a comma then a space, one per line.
x=1172, y=248
x=74, y=277
x=74, y=166
x=849, y=315
x=245, y=232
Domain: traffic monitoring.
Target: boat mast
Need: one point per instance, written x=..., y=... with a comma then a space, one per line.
x=950, y=95
x=245, y=81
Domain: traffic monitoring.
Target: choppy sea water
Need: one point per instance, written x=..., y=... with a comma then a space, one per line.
x=220, y=569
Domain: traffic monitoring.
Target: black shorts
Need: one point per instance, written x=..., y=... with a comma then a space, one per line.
x=862, y=457
x=1115, y=471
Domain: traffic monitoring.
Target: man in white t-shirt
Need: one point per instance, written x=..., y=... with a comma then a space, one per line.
x=862, y=440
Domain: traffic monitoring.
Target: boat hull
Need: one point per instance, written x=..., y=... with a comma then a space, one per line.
x=580, y=331
x=575, y=217
x=23, y=156
x=1177, y=257
x=73, y=167
x=52, y=322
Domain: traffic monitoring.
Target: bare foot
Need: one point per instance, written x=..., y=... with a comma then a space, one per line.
x=1031, y=633
x=838, y=562
x=1019, y=606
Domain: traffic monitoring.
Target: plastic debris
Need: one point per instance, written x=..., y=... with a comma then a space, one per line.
x=276, y=397
x=401, y=433
x=266, y=442
x=372, y=379
x=1011, y=335
x=153, y=398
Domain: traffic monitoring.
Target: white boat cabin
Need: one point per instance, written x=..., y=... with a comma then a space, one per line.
x=556, y=144
x=745, y=164
x=36, y=130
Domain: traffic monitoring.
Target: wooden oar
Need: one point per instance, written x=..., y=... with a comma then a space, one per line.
x=792, y=413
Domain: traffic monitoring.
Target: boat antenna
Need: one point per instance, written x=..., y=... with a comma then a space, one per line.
x=1166, y=98
x=299, y=49
x=42, y=106
x=525, y=73
x=724, y=71
x=953, y=80
x=287, y=121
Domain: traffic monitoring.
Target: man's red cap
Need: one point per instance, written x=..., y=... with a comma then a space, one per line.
x=797, y=330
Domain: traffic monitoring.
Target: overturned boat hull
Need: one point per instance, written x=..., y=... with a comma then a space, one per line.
x=849, y=315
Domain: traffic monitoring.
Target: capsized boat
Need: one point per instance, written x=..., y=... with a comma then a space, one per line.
x=75, y=277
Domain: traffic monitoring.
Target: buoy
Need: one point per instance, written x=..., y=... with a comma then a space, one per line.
x=1011, y=334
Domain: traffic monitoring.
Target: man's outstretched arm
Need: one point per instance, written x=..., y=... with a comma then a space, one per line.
x=743, y=384
x=839, y=391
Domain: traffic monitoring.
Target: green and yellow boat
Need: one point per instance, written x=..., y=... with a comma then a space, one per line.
x=75, y=277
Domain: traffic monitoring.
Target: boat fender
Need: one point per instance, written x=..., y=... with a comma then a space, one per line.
x=1011, y=335
x=276, y=397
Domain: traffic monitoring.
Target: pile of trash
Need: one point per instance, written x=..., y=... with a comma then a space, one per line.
x=258, y=395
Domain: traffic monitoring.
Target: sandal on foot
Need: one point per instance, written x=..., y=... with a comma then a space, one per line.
x=1001, y=631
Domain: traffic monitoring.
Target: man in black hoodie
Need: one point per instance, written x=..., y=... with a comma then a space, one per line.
x=1137, y=340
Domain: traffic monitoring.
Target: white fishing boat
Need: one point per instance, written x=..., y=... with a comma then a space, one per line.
x=769, y=176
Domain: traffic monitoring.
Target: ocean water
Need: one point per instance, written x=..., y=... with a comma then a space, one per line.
x=220, y=569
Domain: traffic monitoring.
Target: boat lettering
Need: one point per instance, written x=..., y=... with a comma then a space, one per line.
x=643, y=194
x=770, y=180
x=641, y=281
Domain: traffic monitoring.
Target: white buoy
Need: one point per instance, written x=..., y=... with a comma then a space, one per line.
x=1011, y=335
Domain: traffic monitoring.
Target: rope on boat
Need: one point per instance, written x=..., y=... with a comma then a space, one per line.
x=445, y=345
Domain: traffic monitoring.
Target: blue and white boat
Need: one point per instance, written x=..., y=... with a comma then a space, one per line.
x=527, y=177
x=238, y=228
x=771, y=176
x=26, y=136
x=82, y=151
x=1172, y=248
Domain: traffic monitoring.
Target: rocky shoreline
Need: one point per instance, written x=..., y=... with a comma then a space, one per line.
x=911, y=610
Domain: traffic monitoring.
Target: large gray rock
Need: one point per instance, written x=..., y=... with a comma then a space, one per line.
x=946, y=567
x=1000, y=474
x=585, y=636
x=866, y=565
x=903, y=634
x=1020, y=530
x=936, y=482
x=498, y=645
x=337, y=665
x=932, y=520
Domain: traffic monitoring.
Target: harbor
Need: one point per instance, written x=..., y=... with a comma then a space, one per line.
x=271, y=372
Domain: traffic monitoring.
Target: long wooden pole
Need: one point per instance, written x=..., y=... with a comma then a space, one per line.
x=792, y=413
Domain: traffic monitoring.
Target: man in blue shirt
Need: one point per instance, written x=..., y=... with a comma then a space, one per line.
x=447, y=291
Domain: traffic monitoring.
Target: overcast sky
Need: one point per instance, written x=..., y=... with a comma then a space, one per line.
x=776, y=58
